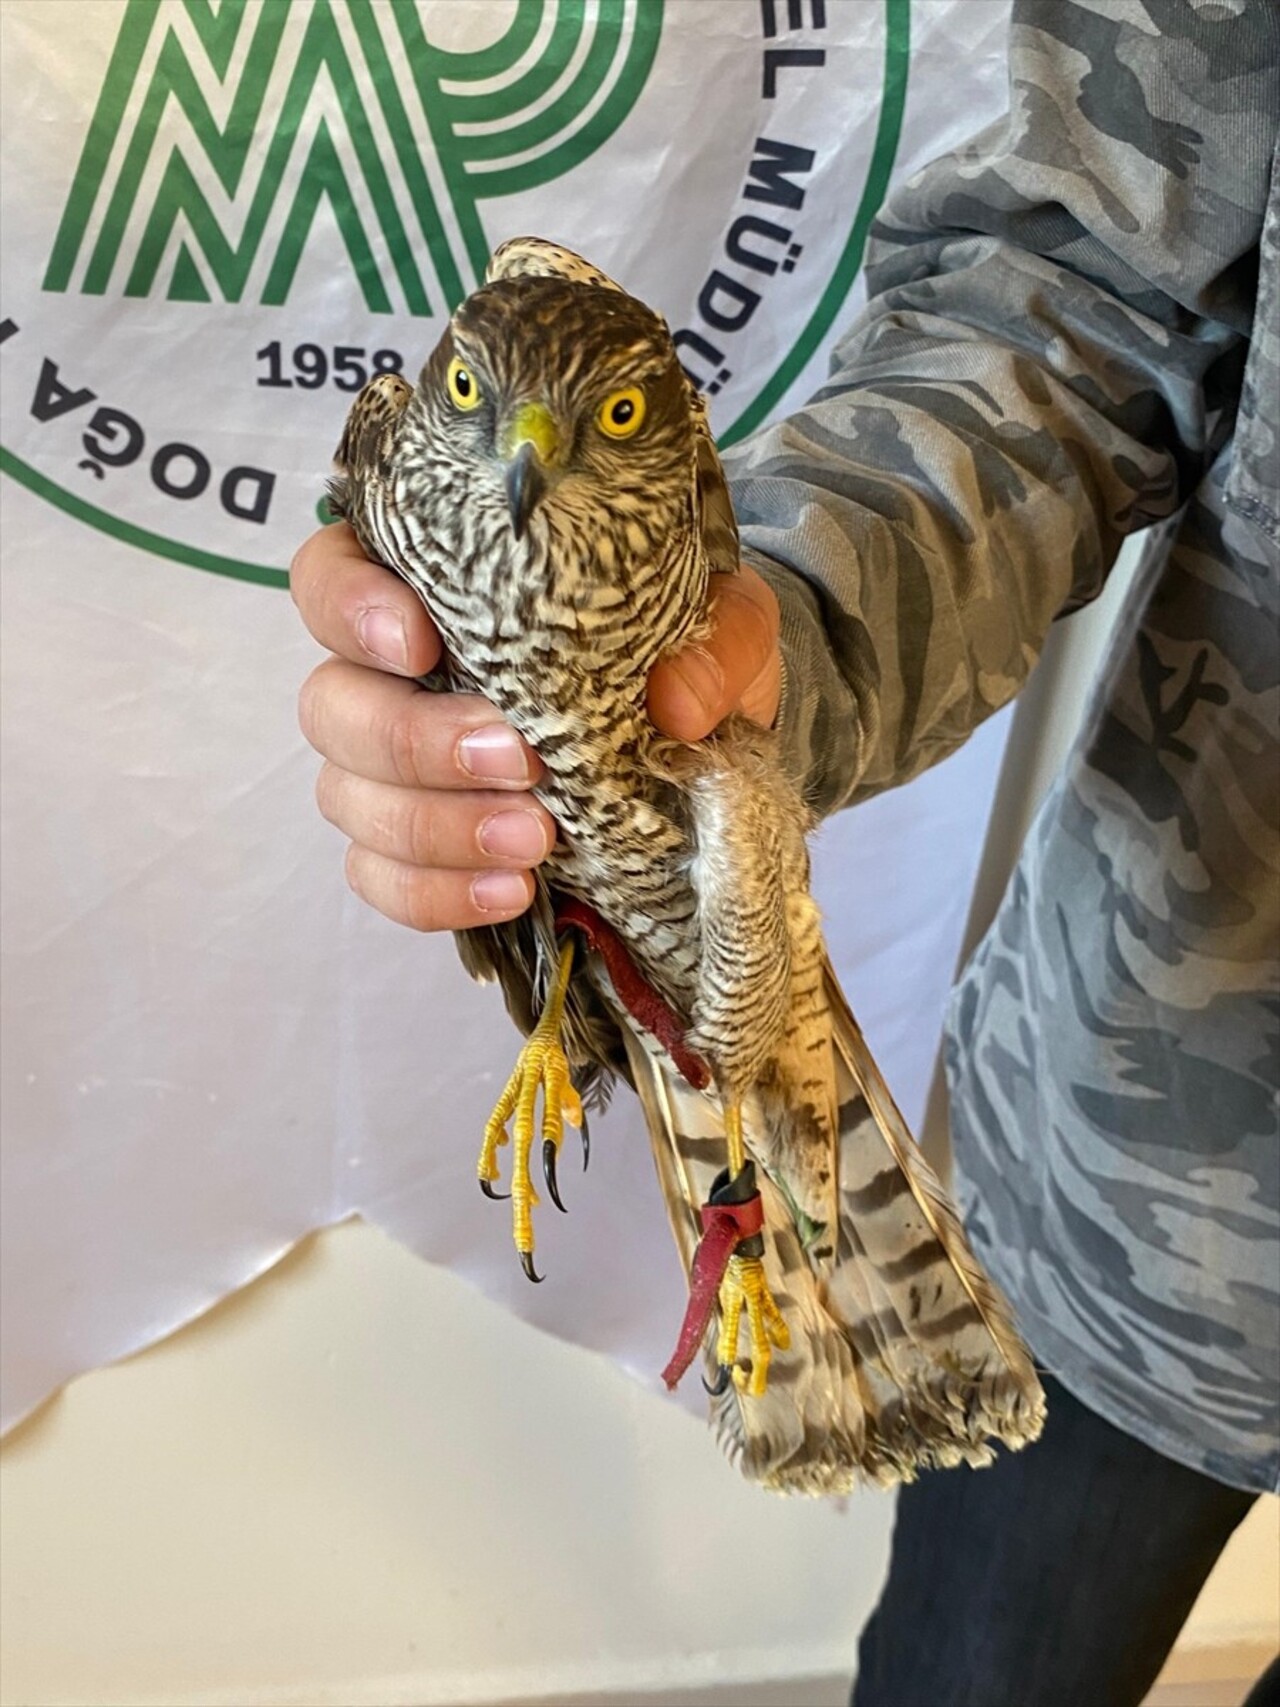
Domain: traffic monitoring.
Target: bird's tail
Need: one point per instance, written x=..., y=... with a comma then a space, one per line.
x=903, y=1354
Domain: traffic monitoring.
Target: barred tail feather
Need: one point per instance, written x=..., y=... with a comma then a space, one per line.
x=906, y=1279
x=903, y=1355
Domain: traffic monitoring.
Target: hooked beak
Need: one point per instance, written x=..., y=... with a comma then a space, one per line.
x=532, y=446
x=525, y=483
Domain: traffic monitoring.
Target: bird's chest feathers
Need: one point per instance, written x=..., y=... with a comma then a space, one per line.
x=599, y=590
x=559, y=630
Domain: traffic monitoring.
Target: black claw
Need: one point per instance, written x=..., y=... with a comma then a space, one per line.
x=586, y=1144
x=486, y=1187
x=526, y=1263
x=722, y=1381
x=549, y=1173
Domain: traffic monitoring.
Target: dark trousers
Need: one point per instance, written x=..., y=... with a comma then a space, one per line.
x=1058, y=1577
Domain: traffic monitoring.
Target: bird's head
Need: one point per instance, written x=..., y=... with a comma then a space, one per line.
x=565, y=401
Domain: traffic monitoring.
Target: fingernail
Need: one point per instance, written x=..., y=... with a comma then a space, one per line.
x=499, y=892
x=381, y=632
x=514, y=835
x=701, y=675
x=494, y=754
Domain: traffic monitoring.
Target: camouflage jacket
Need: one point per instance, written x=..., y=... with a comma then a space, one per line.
x=1073, y=333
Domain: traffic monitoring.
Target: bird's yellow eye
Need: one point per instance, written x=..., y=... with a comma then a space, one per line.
x=462, y=385
x=622, y=413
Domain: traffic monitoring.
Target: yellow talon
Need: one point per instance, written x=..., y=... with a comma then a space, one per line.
x=543, y=1066
x=744, y=1287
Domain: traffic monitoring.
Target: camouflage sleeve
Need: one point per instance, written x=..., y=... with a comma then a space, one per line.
x=1050, y=358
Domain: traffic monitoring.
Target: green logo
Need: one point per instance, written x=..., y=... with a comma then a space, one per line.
x=507, y=118
x=267, y=198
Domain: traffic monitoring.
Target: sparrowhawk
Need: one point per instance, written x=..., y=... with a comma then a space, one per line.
x=552, y=491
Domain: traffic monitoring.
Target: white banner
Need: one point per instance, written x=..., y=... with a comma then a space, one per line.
x=218, y=220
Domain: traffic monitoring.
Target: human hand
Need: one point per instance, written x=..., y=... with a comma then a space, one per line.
x=433, y=789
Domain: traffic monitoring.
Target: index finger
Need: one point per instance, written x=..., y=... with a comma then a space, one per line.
x=358, y=609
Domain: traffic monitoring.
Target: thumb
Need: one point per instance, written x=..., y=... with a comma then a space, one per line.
x=735, y=666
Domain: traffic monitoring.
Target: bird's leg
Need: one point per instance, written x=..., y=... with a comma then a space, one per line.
x=542, y=1065
x=745, y=1289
